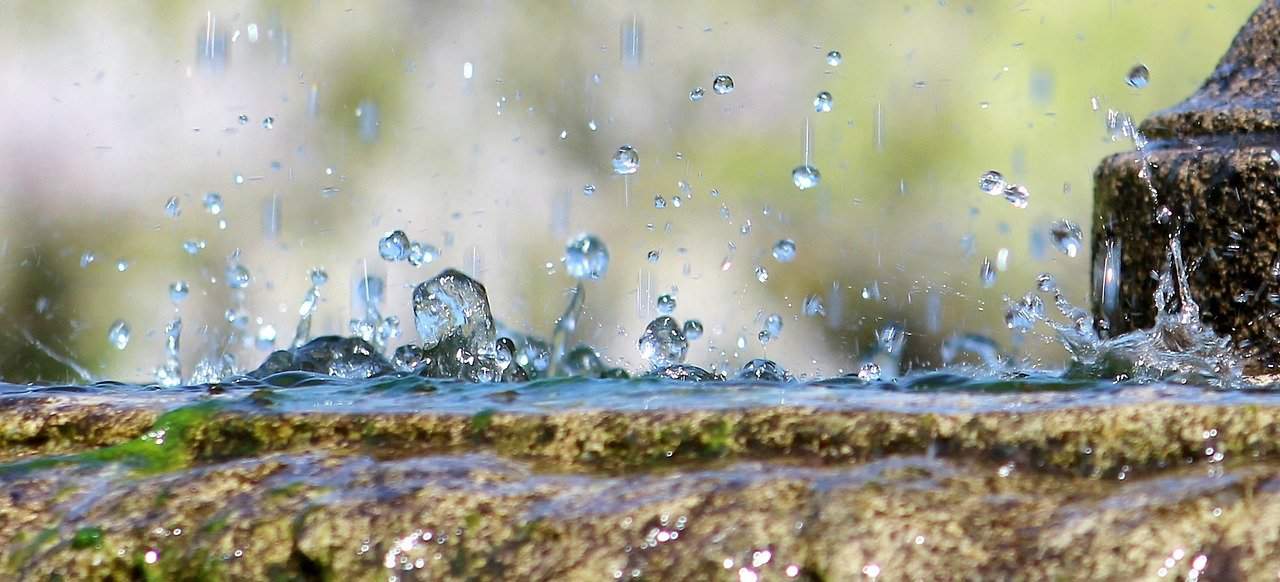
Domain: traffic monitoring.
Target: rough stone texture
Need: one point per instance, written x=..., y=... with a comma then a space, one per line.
x=1211, y=164
x=231, y=489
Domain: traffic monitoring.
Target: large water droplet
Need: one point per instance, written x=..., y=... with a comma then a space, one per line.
x=722, y=85
x=453, y=309
x=118, y=334
x=834, y=58
x=626, y=161
x=784, y=251
x=805, y=177
x=823, y=102
x=1066, y=237
x=663, y=343
x=394, y=246
x=666, y=304
x=586, y=257
x=1138, y=76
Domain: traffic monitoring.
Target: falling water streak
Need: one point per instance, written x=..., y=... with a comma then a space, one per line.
x=565, y=327
x=806, y=141
x=59, y=358
x=879, y=127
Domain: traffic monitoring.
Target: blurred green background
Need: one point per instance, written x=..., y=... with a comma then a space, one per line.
x=113, y=108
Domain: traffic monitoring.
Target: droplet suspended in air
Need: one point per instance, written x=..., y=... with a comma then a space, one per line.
x=268, y=122
x=237, y=276
x=834, y=58
x=589, y=189
x=659, y=202
x=762, y=274
x=784, y=251
x=213, y=203
x=193, y=246
x=422, y=253
x=823, y=102
x=1017, y=195
x=586, y=257
x=1138, y=76
x=805, y=177
x=773, y=324
x=692, y=329
x=987, y=273
x=697, y=94
x=992, y=182
x=118, y=334
x=813, y=306
x=1066, y=237
x=626, y=161
x=666, y=304
x=394, y=246
x=171, y=207
x=178, y=290
x=722, y=85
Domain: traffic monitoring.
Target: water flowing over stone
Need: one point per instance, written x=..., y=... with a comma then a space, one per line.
x=341, y=357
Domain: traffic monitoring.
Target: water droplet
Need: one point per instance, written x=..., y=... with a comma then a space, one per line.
x=666, y=304
x=823, y=102
x=987, y=273
x=663, y=343
x=178, y=290
x=784, y=251
x=394, y=246
x=834, y=58
x=1163, y=215
x=1066, y=237
x=1017, y=195
x=171, y=207
x=813, y=306
x=992, y=182
x=1022, y=315
x=318, y=276
x=213, y=203
x=626, y=161
x=773, y=324
x=243, y=119
x=805, y=177
x=653, y=256
x=1138, y=76
x=869, y=372
x=193, y=246
x=422, y=253
x=237, y=276
x=692, y=329
x=762, y=274
x=1046, y=283
x=453, y=309
x=87, y=259
x=268, y=122
x=586, y=257
x=564, y=134
x=122, y=265
x=722, y=85
x=697, y=94
x=266, y=337
x=118, y=334
x=589, y=189
x=592, y=125
x=659, y=202
x=676, y=201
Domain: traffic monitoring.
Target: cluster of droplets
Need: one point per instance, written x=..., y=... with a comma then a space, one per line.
x=395, y=246
x=994, y=184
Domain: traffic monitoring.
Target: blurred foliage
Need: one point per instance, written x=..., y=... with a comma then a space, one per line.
x=112, y=111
